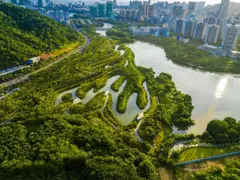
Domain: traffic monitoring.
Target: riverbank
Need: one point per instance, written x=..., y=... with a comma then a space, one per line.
x=188, y=55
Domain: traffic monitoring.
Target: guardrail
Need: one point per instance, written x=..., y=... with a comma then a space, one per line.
x=208, y=158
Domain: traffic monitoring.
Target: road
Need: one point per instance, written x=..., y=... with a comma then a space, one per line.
x=27, y=76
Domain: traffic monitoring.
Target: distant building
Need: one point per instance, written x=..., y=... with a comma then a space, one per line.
x=109, y=9
x=199, y=31
x=212, y=20
x=191, y=6
x=200, y=6
x=222, y=11
x=40, y=3
x=114, y=3
x=188, y=29
x=230, y=37
x=128, y=14
x=14, y=1
x=212, y=32
x=152, y=11
x=178, y=26
x=93, y=10
x=101, y=10
x=24, y=2
x=177, y=11
x=213, y=50
x=135, y=4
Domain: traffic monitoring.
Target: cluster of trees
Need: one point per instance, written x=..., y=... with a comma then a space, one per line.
x=222, y=131
x=189, y=55
x=230, y=169
x=63, y=147
x=172, y=108
x=121, y=33
x=25, y=33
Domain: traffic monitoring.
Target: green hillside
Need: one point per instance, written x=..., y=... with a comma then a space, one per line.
x=25, y=33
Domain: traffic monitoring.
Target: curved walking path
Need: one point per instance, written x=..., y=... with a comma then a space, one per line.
x=27, y=76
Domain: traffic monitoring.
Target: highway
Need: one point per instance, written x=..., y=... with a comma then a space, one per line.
x=27, y=76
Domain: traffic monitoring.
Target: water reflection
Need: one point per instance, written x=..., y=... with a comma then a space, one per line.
x=221, y=87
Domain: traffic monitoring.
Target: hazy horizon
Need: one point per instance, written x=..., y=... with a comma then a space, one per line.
x=126, y=2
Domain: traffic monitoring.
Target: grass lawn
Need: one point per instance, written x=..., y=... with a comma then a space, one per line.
x=202, y=152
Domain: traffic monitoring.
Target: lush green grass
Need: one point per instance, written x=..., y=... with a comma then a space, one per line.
x=202, y=152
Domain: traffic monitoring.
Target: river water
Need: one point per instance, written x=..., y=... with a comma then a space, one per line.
x=214, y=96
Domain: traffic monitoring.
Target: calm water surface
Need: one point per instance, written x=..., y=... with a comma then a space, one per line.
x=214, y=96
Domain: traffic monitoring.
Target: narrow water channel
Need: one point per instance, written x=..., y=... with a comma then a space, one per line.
x=132, y=109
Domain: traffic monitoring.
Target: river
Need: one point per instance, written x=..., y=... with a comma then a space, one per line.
x=214, y=96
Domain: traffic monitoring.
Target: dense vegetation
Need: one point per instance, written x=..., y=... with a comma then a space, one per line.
x=121, y=33
x=25, y=33
x=169, y=107
x=222, y=131
x=46, y=140
x=224, y=169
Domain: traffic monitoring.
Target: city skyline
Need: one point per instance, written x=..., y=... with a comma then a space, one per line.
x=126, y=2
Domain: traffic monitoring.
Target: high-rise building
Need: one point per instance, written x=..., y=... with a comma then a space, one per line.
x=200, y=6
x=146, y=8
x=177, y=11
x=212, y=33
x=188, y=28
x=114, y=3
x=14, y=1
x=109, y=9
x=199, y=31
x=40, y=3
x=93, y=10
x=152, y=11
x=233, y=9
x=230, y=37
x=178, y=26
x=211, y=20
x=48, y=1
x=101, y=9
x=135, y=4
x=222, y=11
x=191, y=6
x=24, y=2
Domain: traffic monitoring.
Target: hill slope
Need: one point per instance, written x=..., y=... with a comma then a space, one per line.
x=25, y=33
